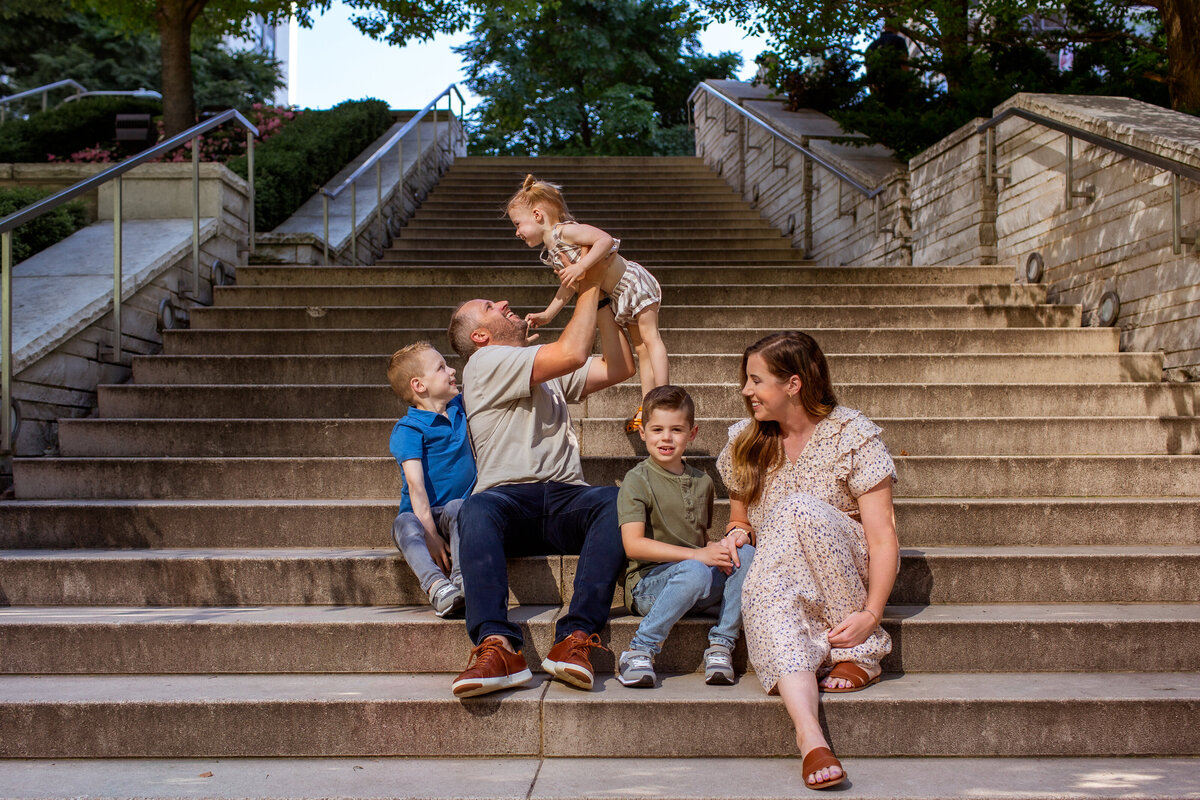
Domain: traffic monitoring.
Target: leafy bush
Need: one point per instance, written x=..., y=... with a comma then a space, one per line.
x=49, y=228
x=308, y=151
x=69, y=128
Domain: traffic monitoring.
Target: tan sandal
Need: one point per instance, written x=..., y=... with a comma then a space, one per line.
x=849, y=671
x=818, y=759
x=634, y=424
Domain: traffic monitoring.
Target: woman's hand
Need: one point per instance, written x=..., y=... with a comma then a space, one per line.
x=853, y=630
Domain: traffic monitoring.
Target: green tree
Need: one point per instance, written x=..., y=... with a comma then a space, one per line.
x=586, y=76
x=40, y=46
x=954, y=38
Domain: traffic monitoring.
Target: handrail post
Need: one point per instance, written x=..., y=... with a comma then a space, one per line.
x=325, y=214
x=1070, y=172
x=250, y=173
x=1178, y=240
x=196, y=218
x=354, y=222
x=420, y=151
x=7, y=445
x=379, y=202
x=115, y=355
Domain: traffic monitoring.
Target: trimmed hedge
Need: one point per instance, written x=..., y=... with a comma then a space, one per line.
x=310, y=149
x=49, y=228
x=68, y=128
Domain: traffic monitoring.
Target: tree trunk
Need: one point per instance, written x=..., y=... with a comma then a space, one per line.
x=955, y=45
x=1181, y=20
x=175, y=18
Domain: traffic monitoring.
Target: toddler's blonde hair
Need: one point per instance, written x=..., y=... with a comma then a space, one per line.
x=404, y=365
x=541, y=193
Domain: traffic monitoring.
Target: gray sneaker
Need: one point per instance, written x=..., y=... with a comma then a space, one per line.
x=446, y=598
x=718, y=665
x=636, y=668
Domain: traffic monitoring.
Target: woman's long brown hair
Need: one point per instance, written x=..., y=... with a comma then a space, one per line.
x=758, y=449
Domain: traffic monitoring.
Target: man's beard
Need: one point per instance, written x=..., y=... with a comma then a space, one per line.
x=511, y=330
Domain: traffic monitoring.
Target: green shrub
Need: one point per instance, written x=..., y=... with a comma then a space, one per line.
x=67, y=129
x=307, y=153
x=49, y=228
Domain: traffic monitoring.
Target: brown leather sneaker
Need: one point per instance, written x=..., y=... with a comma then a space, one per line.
x=568, y=660
x=490, y=669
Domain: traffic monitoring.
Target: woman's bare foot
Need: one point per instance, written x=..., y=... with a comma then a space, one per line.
x=830, y=682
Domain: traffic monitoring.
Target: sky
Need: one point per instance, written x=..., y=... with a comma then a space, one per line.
x=333, y=62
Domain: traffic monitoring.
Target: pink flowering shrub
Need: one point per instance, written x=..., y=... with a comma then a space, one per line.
x=220, y=145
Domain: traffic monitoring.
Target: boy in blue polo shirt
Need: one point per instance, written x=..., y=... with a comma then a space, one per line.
x=431, y=446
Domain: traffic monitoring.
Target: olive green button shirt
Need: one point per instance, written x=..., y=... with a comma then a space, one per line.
x=677, y=509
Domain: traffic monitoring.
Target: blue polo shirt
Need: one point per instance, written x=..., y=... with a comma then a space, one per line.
x=441, y=444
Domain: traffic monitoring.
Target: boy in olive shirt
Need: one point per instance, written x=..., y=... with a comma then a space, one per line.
x=665, y=507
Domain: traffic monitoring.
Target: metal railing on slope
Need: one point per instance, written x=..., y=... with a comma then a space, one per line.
x=1176, y=168
x=708, y=94
x=376, y=160
x=12, y=221
x=83, y=91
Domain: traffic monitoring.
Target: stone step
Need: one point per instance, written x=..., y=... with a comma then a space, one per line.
x=947, y=400
x=612, y=218
x=340, y=639
x=1060, y=714
x=379, y=576
x=382, y=278
x=81, y=438
x=572, y=778
x=681, y=340
x=713, y=401
x=712, y=230
x=636, y=248
x=694, y=306
x=735, y=257
x=377, y=477
x=628, y=183
x=685, y=369
x=782, y=301
x=586, y=208
x=921, y=522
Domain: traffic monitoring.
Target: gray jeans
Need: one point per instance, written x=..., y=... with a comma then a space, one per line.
x=409, y=534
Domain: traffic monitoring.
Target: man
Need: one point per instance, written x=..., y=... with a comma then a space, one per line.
x=530, y=497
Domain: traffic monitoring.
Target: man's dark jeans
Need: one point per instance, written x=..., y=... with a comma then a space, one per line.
x=523, y=519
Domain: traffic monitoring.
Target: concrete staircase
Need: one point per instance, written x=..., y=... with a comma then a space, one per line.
x=201, y=597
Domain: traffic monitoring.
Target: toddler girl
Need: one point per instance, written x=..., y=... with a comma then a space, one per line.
x=571, y=248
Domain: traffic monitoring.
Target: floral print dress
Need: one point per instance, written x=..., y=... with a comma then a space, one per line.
x=810, y=565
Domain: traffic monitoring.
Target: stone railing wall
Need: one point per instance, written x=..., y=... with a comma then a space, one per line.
x=1119, y=241
x=62, y=297
x=825, y=216
x=953, y=208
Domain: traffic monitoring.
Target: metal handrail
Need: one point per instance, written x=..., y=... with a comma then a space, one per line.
x=1177, y=168
x=396, y=141
x=43, y=90
x=114, y=173
x=867, y=192
x=83, y=91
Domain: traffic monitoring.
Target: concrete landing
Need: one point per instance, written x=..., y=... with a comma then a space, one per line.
x=560, y=778
x=63, y=289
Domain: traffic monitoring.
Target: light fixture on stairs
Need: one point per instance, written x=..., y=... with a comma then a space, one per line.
x=171, y=316
x=1034, y=267
x=222, y=275
x=1109, y=309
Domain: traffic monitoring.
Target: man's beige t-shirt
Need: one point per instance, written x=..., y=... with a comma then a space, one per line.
x=521, y=433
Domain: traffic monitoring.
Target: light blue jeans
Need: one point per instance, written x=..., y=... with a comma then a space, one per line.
x=670, y=591
x=409, y=534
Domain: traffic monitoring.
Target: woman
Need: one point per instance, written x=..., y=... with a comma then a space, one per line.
x=810, y=482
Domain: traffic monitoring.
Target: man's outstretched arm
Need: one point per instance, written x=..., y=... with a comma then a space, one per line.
x=616, y=360
x=573, y=347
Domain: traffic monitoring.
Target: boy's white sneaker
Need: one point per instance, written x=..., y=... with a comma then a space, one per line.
x=718, y=665
x=446, y=598
x=636, y=668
